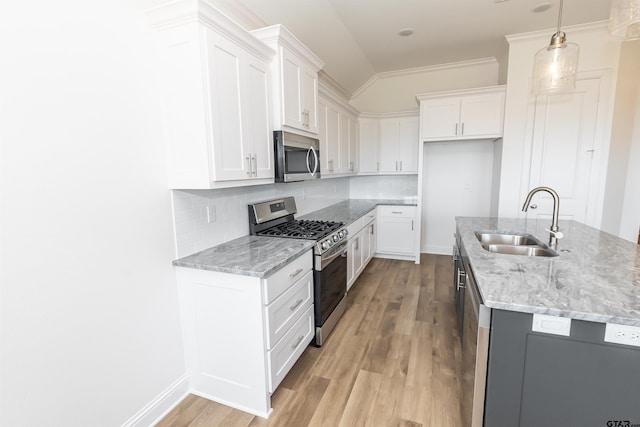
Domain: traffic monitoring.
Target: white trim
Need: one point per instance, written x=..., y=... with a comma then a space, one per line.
x=409, y=113
x=447, y=93
x=548, y=32
x=278, y=35
x=159, y=407
x=419, y=70
x=326, y=93
x=176, y=13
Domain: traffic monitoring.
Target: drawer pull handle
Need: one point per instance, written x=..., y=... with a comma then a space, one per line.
x=396, y=212
x=295, y=344
x=295, y=273
x=294, y=306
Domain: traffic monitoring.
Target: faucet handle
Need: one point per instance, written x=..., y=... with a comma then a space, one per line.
x=556, y=234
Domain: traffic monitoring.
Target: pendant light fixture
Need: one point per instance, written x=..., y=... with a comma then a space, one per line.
x=624, y=21
x=555, y=66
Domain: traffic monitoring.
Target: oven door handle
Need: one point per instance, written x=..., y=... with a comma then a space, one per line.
x=315, y=165
x=326, y=261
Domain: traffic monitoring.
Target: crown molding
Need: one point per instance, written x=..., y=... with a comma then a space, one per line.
x=393, y=114
x=474, y=91
x=171, y=14
x=327, y=93
x=278, y=35
x=590, y=26
x=420, y=70
x=325, y=79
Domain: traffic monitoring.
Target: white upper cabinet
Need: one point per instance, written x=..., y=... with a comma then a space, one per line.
x=338, y=134
x=217, y=100
x=369, y=143
x=399, y=144
x=462, y=114
x=295, y=80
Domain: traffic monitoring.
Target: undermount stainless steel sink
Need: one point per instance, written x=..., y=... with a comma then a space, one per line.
x=514, y=244
x=494, y=238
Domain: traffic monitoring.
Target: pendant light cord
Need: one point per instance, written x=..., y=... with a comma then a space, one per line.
x=560, y=16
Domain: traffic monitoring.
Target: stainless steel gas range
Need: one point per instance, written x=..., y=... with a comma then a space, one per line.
x=275, y=218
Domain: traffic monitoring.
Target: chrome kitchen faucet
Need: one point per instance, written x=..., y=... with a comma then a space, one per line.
x=556, y=208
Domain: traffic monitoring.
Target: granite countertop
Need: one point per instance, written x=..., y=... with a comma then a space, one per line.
x=352, y=209
x=596, y=276
x=260, y=256
x=248, y=255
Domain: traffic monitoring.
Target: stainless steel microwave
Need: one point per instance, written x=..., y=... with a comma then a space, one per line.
x=297, y=157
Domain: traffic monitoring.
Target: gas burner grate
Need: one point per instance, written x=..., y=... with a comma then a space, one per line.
x=302, y=229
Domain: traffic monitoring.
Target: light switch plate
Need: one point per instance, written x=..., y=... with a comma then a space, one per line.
x=551, y=324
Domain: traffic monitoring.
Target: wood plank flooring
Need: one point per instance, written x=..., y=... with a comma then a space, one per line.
x=393, y=360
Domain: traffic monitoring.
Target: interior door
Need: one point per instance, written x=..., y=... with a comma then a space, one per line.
x=564, y=140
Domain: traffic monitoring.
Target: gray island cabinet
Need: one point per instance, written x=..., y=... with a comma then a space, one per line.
x=546, y=354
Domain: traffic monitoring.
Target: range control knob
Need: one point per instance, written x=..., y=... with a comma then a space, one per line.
x=324, y=245
x=335, y=238
x=341, y=233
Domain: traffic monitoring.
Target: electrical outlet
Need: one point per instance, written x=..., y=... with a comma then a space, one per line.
x=622, y=334
x=211, y=213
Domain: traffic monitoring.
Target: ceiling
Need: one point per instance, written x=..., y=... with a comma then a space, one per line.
x=359, y=38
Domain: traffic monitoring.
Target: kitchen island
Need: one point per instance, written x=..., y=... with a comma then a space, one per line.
x=551, y=354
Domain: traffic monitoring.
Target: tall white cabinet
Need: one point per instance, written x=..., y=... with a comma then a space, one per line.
x=294, y=79
x=217, y=101
x=338, y=134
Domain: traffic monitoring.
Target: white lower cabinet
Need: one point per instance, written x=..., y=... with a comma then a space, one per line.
x=359, y=248
x=243, y=334
x=396, y=232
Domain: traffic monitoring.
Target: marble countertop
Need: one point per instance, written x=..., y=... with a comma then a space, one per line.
x=596, y=276
x=260, y=256
x=248, y=255
x=350, y=210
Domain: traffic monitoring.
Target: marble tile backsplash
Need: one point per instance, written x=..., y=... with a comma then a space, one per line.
x=384, y=187
x=194, y=232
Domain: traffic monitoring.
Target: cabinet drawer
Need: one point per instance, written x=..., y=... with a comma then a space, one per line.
x=354, y=227
x=283, y=356
x=369, y=217
x=287, y=308
x=282, y=280
x=397, y=211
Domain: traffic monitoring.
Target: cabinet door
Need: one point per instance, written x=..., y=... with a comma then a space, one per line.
x=353, y=145
x=408, y=144
x=368, y=145
x=389, y=134
x=332, y=150
x=291, y=90
x=345, y=165
x=439, y=117
x=231, y=159
x=366, y=246
x=482, y=115
x=351, y=252
x=373, y=239
x=357, y=253
x=309, y=101
x=257, y=119
x=396, y=229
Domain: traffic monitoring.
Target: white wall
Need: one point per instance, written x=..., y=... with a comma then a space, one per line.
x=630, y=219
x=194, y=233
x=89, y=325
x=457, y=181
x=396, y=91
x=620, y=185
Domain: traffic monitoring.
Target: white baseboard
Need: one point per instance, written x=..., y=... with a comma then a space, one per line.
x=437, y=250
x=159, y=407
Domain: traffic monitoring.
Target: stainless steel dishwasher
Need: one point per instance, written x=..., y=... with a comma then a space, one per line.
x=475, y=349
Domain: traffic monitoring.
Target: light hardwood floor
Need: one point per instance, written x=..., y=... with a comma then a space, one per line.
x=392, y=360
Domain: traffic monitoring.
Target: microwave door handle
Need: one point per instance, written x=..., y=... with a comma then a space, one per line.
x=309, y=152
x=315, y=165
